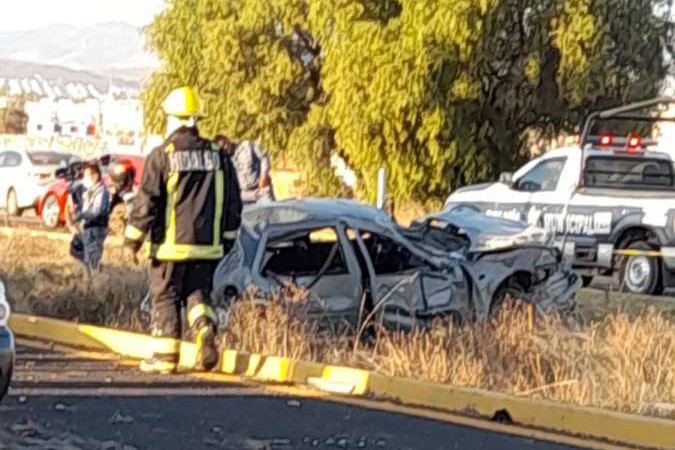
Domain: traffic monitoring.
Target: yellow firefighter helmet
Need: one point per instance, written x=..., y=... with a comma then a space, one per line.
x=183, y=102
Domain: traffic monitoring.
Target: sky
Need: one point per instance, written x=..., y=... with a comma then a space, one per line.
x=21, y=15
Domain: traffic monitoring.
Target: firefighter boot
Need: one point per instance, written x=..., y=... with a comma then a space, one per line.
x=207, y=350
x=202, y=321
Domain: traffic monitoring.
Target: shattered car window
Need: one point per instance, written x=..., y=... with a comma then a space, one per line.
x=388, y=256
x=304, y=254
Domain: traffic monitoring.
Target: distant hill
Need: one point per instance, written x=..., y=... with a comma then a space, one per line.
x=60, y=76
x=108, y=46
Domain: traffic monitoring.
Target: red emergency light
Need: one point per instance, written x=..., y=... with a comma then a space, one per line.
x=634, y=142
x=606, y=139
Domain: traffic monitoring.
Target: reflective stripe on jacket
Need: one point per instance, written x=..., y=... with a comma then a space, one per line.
x=188, y=201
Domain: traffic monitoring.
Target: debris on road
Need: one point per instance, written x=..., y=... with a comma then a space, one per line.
x=62, y=407
x=119, y=417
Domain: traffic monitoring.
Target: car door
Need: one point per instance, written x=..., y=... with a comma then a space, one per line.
x=446, y=292
x=318, y=262
x=10, y=174
x=395, y=276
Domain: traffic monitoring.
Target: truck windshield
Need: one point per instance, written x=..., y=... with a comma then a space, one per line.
x=629, y=172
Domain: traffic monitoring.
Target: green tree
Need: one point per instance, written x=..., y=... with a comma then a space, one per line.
x=442, y=93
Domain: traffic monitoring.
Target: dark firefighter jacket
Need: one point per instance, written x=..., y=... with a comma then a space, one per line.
x=188, y=201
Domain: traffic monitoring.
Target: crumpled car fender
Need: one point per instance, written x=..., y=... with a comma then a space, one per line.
x=490, y=270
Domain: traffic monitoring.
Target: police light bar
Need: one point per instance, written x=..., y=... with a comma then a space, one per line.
x=631, y=143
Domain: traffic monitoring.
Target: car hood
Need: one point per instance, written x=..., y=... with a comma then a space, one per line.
x=489, y=233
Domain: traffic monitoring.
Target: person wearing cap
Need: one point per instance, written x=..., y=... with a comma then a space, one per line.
x=188, y=205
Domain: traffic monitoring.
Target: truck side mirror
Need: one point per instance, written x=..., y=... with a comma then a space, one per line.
x=506, y=178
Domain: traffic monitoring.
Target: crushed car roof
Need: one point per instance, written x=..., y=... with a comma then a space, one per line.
x=312, y=209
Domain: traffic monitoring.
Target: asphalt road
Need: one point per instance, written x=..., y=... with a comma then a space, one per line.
x=65, y=402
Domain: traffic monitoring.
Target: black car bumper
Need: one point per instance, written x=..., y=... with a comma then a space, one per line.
x=7, y=352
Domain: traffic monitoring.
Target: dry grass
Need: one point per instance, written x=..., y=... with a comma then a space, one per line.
x=623, y=361
x=43, y=279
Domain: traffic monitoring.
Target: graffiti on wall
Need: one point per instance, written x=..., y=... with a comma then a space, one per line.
x=83, y=147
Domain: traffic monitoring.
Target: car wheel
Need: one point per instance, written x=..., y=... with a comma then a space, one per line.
x=640, y=274
x=509, y=291
x=51, y=211
x=13, y=209
x=5, y=378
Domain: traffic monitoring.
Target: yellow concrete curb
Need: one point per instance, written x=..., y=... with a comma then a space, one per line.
x=595, y=423
x=581, y=421
x=341, y=380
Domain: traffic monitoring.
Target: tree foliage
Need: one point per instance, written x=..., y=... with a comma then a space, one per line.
x=440, y=92
x=13, y=118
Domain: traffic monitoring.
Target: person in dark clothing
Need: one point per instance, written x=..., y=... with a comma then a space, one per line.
x=91, y=219
x=189, y=205
x=225, y=144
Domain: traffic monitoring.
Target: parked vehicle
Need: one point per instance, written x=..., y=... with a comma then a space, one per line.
x=7, y=351
x=343, y=252
x=611, y=202
x=25, y=176
x=52, y=206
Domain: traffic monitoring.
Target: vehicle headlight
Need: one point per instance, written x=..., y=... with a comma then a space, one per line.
x=4, y=306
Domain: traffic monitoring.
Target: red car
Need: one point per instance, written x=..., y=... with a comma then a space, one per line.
x=52, y=206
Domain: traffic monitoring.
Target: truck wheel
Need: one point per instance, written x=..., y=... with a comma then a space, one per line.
x=586, y=280
x=641, y=274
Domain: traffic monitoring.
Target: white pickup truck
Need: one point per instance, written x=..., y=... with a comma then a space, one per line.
x=611, y=203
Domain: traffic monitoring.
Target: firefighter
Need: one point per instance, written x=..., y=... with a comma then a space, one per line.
x=189, y=205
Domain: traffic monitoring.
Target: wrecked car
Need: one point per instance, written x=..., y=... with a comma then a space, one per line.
x=354, y=261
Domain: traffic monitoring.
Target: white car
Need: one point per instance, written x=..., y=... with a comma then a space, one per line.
x=25, y=176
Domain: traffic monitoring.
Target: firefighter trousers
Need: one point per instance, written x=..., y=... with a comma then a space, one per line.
x=174, y=285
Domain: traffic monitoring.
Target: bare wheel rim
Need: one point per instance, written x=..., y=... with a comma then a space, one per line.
x=50, y=212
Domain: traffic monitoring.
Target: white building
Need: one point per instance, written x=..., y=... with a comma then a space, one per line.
x=41, y=117
x=63, y=117
x=123, y=115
